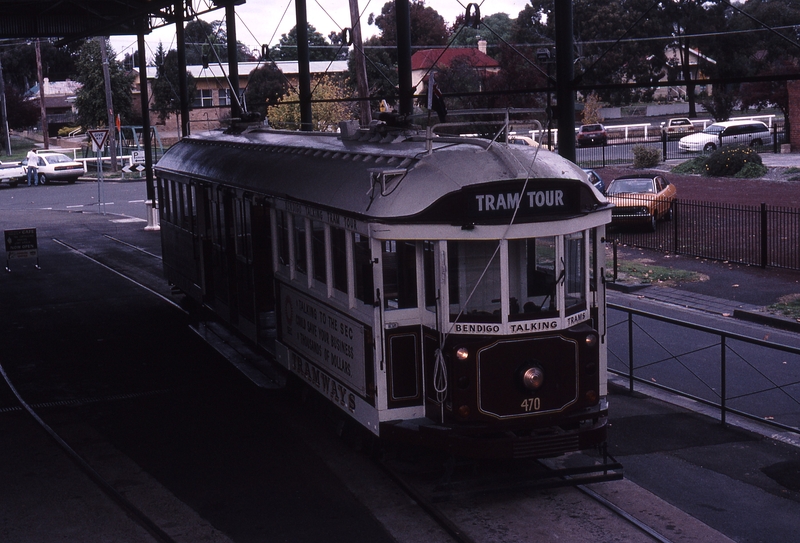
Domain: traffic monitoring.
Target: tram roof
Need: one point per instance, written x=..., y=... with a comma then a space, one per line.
x=329, y=171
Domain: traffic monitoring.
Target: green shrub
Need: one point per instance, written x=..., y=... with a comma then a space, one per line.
x=751, y=170
x=728, y=161
x=695, y=165
x=65, y=131
x=645, y=156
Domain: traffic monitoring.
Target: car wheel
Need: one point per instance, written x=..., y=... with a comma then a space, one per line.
x=42, y=179
x=71, y=181
x=13, y=183
x=709, y=148
x=756, y=143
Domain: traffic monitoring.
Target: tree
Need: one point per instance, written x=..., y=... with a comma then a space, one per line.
x=427, y=26
x=21, y=113
x=266, y=86
x=19, y=64
x=165, y=87
x=319, y=48
x=91, y=99
x=325, y=115
x=207, y=43
x=494, y=29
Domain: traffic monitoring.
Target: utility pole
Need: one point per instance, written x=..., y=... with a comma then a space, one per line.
x=41, y=93
x=365, y=116
x=112, y=126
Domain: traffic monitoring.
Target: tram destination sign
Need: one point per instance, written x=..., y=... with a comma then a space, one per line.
x=537, y=199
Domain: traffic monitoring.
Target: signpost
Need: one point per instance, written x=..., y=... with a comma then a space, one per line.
x=21, y=243
x=137, y=162
x=99, y=138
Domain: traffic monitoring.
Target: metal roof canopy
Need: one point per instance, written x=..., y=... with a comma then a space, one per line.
x=71, y=20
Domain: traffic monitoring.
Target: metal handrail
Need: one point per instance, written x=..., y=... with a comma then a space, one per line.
x=723, y=336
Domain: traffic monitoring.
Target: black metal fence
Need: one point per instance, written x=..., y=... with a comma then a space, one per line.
x=759, y=235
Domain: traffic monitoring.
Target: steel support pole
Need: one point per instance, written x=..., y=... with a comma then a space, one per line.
x=147, y=143
x=303, y=69
x=403, y=14
x=565, y=95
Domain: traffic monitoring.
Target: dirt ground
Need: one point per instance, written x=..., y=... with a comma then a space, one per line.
x=777, y=188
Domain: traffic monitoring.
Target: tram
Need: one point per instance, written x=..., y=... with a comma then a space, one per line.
x=442, y=290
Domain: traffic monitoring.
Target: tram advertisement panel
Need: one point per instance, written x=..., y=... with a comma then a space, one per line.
x=324, y=336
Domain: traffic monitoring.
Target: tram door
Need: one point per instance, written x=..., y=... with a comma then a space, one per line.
x=408, y=301
x=217, y=252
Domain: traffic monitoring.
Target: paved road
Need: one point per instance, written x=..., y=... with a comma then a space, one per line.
x=120, y=197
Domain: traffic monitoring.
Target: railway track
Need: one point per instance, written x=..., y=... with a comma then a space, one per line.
x=467, y=508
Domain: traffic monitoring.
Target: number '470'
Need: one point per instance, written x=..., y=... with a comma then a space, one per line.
x=531, y=404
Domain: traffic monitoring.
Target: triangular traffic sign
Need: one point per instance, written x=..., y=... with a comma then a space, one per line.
x=98, y=138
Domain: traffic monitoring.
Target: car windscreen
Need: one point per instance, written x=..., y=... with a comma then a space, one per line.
x=714, y=129
x=628, y=186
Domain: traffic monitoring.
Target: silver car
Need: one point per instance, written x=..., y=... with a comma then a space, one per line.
x=751, y=133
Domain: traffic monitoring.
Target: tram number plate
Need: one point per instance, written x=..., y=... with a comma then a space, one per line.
x=531, y=404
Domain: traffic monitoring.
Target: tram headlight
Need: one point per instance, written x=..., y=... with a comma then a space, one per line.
x=591, y=340
x=462, y=353
x=533, y=378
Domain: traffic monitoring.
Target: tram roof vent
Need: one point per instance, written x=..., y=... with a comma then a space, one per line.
x=388, y=179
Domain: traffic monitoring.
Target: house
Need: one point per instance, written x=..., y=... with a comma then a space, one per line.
x=59, y=103
x=211, y=104
x=672, y=73
x=422, y=61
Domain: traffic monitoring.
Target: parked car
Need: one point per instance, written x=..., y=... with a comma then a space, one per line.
x=591, y=134
x=752, y=133
x=55, y=166
x=12, y=173
x=596, y=180
x=677, y=128
x=641, y=199
x=527, y=140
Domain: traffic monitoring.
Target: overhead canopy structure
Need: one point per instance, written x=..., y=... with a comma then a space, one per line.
x=75, y=19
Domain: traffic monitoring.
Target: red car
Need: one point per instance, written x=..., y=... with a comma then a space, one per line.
x=591, y=134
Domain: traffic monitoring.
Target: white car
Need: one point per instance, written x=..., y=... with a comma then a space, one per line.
x=12, y=173
x=751, y=133
x=57, y=167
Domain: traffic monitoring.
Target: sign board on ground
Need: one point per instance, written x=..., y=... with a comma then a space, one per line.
x=21, y=243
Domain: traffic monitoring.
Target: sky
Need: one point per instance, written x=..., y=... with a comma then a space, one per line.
x=263, y=21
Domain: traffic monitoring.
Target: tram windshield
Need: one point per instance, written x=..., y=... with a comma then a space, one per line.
x=533, y=268
x=474, y=275
x=532, y=278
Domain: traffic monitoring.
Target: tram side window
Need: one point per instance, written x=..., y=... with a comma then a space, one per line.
x=399, y=260
x=429, y=273
x=242, y=228
x=474, y=281
x=318, y=251
x=362, y=259
x=339, y=258
x=164, y=197
x=532, y=279
x=575, y=270
x=282, y=227
x=300, y=245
